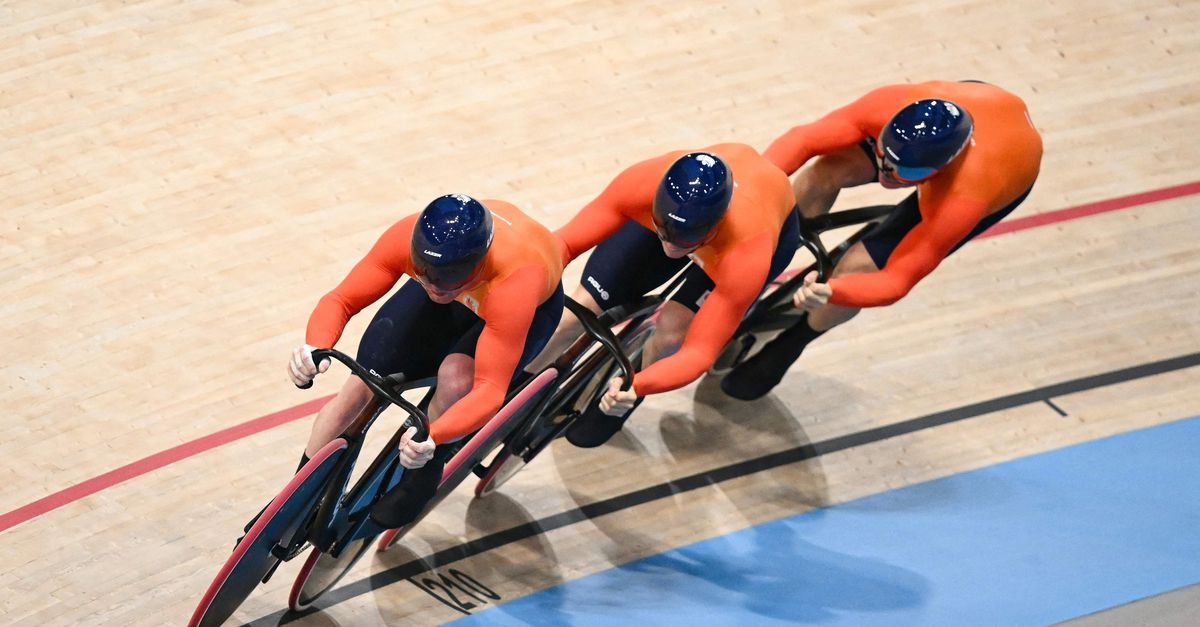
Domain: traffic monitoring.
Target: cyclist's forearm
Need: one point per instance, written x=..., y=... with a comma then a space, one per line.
x=469, y=414
x=673, y=372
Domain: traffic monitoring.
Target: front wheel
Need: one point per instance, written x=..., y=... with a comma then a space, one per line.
x=278, y=526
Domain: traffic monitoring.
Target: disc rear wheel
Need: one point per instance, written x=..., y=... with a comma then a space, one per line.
x=258, y=552
x=504, y=467
x=321, y=572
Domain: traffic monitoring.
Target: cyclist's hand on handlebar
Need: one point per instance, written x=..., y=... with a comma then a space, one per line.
x=301, y=368
x=616, y=401
x=812, y=295
x=415, y=454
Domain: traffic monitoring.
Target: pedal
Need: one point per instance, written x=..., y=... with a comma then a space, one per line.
x=279, y=551
x=561, y=418
x=286, y=553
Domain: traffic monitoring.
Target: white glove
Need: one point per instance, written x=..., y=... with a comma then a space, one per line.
x=616, y=402
x=415, y=454
x=812, y=295
x=301, y=368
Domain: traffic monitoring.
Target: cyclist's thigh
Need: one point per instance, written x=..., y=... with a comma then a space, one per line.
x=697, y=285
x=883, y=239
x=410, y=334
x=545, y=321
x=541, y=329
x=626, y=266
x=785, y=247
x=695, y=288
x=991, y=220
x=857, y=260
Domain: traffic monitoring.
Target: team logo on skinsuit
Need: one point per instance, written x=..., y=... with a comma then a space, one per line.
x=596, y=284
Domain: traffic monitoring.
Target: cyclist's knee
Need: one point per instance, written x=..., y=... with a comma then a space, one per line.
x=353, y=396
x=455, y=377
x=568, y=323
x=856, y=261
x=830, y=173
x=816, y=177
x=672, y=327
x=584, y=297
x=849, y=167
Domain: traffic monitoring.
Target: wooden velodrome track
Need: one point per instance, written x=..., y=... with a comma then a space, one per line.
x=182, y=180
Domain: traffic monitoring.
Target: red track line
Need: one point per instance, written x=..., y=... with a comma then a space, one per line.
x=247, y=429
x=1090, y=209
x=156, y=461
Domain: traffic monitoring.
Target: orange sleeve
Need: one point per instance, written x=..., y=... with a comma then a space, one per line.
x=507, y=315
x=369, y=280
x=627, y=195
x=917, y=254
x=742, y=274
x=839, y=129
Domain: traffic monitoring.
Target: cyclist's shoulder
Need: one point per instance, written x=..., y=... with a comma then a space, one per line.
x=401, y=230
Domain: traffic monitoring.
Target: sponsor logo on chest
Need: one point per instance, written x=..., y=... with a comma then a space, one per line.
x=471, y=302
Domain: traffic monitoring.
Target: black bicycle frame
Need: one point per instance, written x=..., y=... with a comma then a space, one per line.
x=597, y=329
x=778, y=301
x=331, y=523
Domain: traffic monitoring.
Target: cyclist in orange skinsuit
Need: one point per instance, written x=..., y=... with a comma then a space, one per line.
x=968, y=187
x=750, y=240
x=503, y=309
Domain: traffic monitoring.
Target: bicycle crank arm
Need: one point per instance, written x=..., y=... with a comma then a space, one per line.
x=274, y=567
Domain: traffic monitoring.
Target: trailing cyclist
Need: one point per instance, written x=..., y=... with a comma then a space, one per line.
x=969, y=149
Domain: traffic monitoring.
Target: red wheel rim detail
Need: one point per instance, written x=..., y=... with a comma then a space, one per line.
x=301, y=579
x=240, y=551
x=497, y=464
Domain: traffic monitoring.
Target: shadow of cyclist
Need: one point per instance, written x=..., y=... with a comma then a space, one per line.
x=766, y=573
x=528, y=563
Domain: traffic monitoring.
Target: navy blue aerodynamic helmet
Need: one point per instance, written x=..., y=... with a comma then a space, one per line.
x=450, y=240
x=923, y=138
x=692, y=199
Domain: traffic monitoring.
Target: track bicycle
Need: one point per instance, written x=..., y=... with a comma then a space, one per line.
x=587, y=374
x=318, y=509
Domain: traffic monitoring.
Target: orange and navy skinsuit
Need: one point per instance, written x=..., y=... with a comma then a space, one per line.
x=737, y=258
x=522, y=269
x=997, y=167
